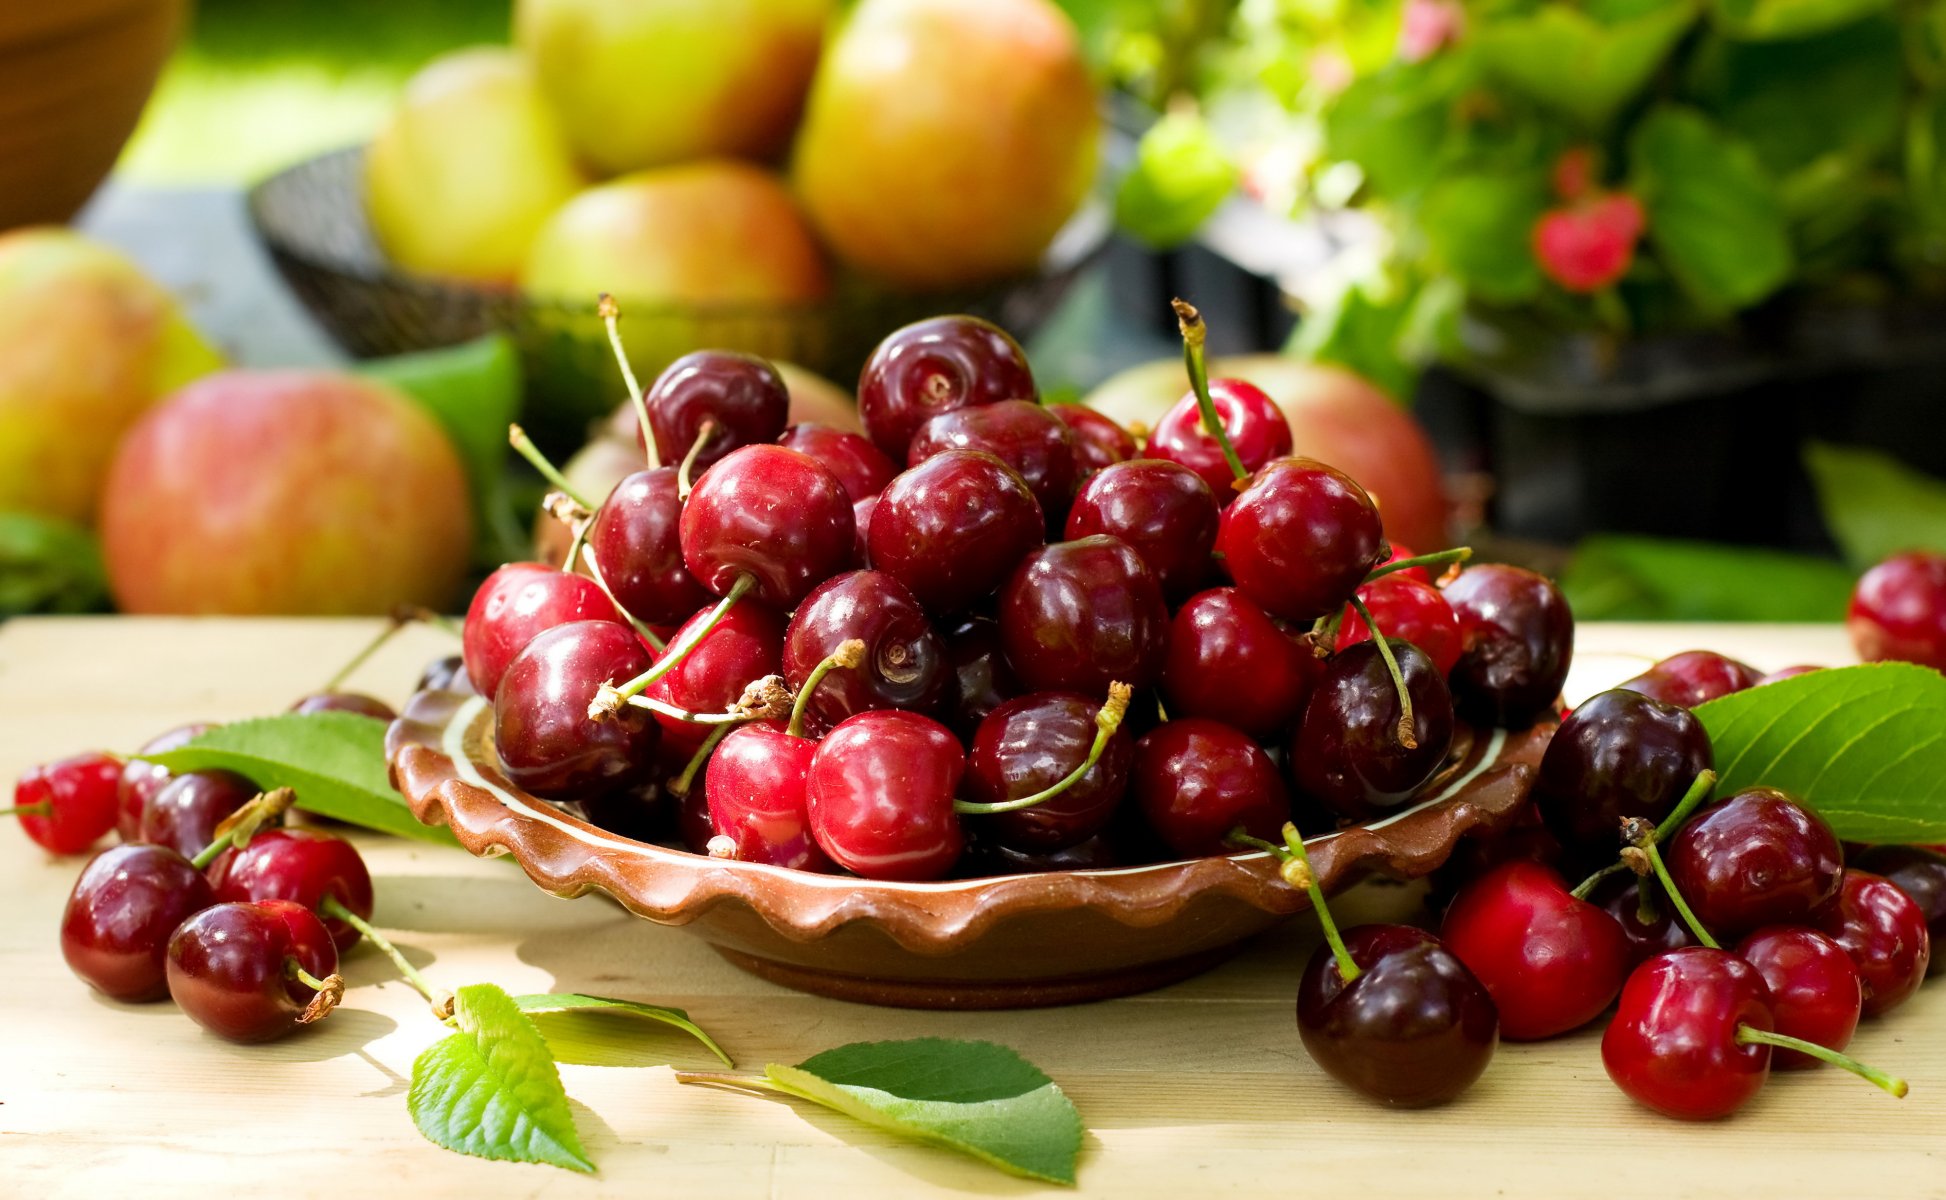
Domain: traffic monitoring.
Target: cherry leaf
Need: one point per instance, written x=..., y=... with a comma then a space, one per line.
x=576, y=1040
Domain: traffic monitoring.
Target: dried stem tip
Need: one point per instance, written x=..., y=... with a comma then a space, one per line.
x=1188, y=320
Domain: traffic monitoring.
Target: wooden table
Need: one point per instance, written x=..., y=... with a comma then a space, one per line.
x=1199, y=1089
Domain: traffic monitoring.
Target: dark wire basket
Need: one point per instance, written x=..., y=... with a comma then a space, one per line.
x=311, y=218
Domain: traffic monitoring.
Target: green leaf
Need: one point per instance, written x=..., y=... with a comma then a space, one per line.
x=334, y=761
x=1618, y=578
x=48, y=566
x=1714, y=213
x=1763, y=19
x=576, y=1034
x=1865, y=746
x=1181, y=175
x=1567, y=59
x=1778, y=96
x=975, y=1097
x=1875, y=505
x=1363, y=332
x=1481, y=227
x=492, y=1090
x=1394, y=123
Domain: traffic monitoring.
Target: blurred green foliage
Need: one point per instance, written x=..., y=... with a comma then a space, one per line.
x=48, y=566
x=1616, y=578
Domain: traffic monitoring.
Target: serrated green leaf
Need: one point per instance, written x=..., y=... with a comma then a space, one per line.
x=1865, y=746
x=1568, y=59
x=492, y=1090
x=1763, y=19
x=49, y=566
x=1714, y=214
x=1619, y=578
x=1181, y=175
x=975, y=1097
x=1875, y=505
x=586, y=1044
x=334, y=761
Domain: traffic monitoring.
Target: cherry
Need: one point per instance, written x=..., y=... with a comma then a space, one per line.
x=1755, y=858
x=142, y=779
x=1815, y=992
x=446, y=674
x=644, y=812
x=1409, y=609
x=859, y=465
x=1231, y=661
x=1898, y=610
x=1884, y=932
x=952, y=528
x=1350, y=752
x=634, y=542
x=1619, y=754
x=1077, y=616
x=1402, y=552
x=741, y=397
x=1919, y=873
x=1033, y=441
x=185, y=813
x=980, y=668
x=301, y=865
x=772, y=516
x=1694, y=677
x=1551, y=962
x=1300, y=538
x=879, y=794
x=985, y=858
x=346, y=702
x=1164, y=511
x=547, y=742
x=66, y=806
x=1257, y=430
x=1650, y=931
x=861, y=524
x=746, y=643
x=1196, y=780
x=125, y=904
x=905, y=665
x=1787, y=673
x=514, y=604
x=1099, y=443
x=252, y=972
x=1673, y=1045
x=935, y=366
x=1516, y=639
x=1029, y=745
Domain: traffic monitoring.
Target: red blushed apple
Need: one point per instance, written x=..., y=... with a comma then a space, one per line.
x=258, y=492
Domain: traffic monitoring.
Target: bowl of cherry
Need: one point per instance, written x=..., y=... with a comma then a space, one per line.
x=995, y=705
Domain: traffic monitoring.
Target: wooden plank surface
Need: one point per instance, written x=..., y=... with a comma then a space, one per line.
x=1200, y=1089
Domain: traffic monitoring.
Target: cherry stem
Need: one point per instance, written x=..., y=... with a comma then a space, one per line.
x=441, y=1002
x=295, y=970
x=1646, y=911
x=330, y=991
x=704, y=433
x=1645, y=842
x=722, y=1079
x=1407, y=737
x=1748, y=1035
x=518, y=439
x=1699, y=791
x=1296, y=871
x=611, y=314
x=847, y=657
x=681, y=784
x=579, y=549
x=1458, y=554
x=1107, y=721
x=609, y=700
x=239, y=827
x=1190, y=322
x=398, y=621
x=41, y=809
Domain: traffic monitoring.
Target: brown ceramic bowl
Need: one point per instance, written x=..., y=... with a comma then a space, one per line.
x=1011, y=941
x=74, y=75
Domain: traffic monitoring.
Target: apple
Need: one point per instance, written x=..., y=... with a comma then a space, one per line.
x=642, y=83
x=87, y=342
x=1336, y=416
x=462, y=174
x=303, y=492
x=946, y=141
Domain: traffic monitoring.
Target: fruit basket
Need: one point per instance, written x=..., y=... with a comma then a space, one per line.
x=311, y=218
x=1011, y=941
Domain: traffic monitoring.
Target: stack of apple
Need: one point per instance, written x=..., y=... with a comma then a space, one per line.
x=735, y=152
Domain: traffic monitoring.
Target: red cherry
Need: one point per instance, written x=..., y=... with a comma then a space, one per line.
x=141, y=779
x=935, y=366
x=1516, y=640
x=952, y=528
x=300, y=865
x=1885, y=934
x=746, y=645
x=1164, y=511
x=1552, y=962
x=346, y=702
x=980, y=665
x=858, y=464
x=232, y=968
x=125, y=904
x=1258, y=431
x=516, y=603
x=1099, y=442
x=1694, y=677
x=1621, y=896
x=1591, y=244
x=185, y=813
x=1028, y=745
x=740, y=395
x=1078, y=616
x=1408, y=609
x=771, y=515
x=1197, y=780
x=880, y=796
x=1815, y=992
x=1673, y=1043
x=544, y=738
x=1231, y=661
x=1022, y=434
x=905, y=661
x=634, y=541
x=66, y=806
x=1300, y=538
x=755, y=789
x=1898, y=610
x=1755, y=858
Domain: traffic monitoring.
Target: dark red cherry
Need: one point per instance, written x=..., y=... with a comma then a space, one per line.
x=636, y=544
x=65, y=806
x=1413, y=1028
x=906, y=664
x=1164, y=511
x=1099, y=442
x=1230, y=661
x=300, y=865
x=1898, y=610
x=230, y=967
x=746, y=645
x=952, y=528
x=1619, y=754
x=346, y=702
x=1550, y=961
x=880, y=796
x=1516, y=638
x=984, y=858
x=517, y=602
x=1347, y=753
x=1028, y=745
x=1815, y=994
x=742, y=394
x=185, y=813
x=127, y=901
x=1787, y=673
x=1408, y=609
x=1196, y=780
x=773, y=515
x=1672, y=1045
x=1258, y=431
x=755, y=788
x=1755, y=858
x=1078, y=616
x=980, y=667
x=1919, y=873
x=142, y=779
x=1300, y=538
x=1885, y=934
x=694, y=826
x=1657, y=932
x=446, y=674
x=1694, y=677
x=935, y=366
x=858, y=464
x=546, y=742
x=1022, y=434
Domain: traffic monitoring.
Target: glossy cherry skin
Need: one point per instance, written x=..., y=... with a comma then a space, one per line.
x=1919, y=873
x=1898, y=610
x=746, y=645
x=1031, y=743
x=636, y=543
x=1164, y=511
x=545, y=740
x=1099, y=443
x=1550, y=961
x=1258, y=430
x=935, y=366
x=227, y=967
x=80, y=793
x=1787, y=673
x=1230, y=661
x=1694, y=677
x=1885, y=934
x=1196, y=780
x=880, y=796
x=1815, y=993
x=1401, y=552
x=516, y=603
x=859, y=465
x=346, y=702
x=1300, y=538
x=1620, y=895
x=1346, y=752
x=952, y=528
x=142, y=779
x=1619, y=754
x=980, y=669
x=1516, y=639
x=1408, y=609
x=905, y=666
x=446, y=674
x=300, y=865
x=755, y=788
x=1413, y=1028
x=1755, y=858
x=185, y=813
x=1033, y=441
x=1672, y=1045
x=127, y=901
x=743, y=394
x=771, y=514
x=1077, y=616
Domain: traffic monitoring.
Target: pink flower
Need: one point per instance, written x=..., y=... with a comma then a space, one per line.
x=1589, y=245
